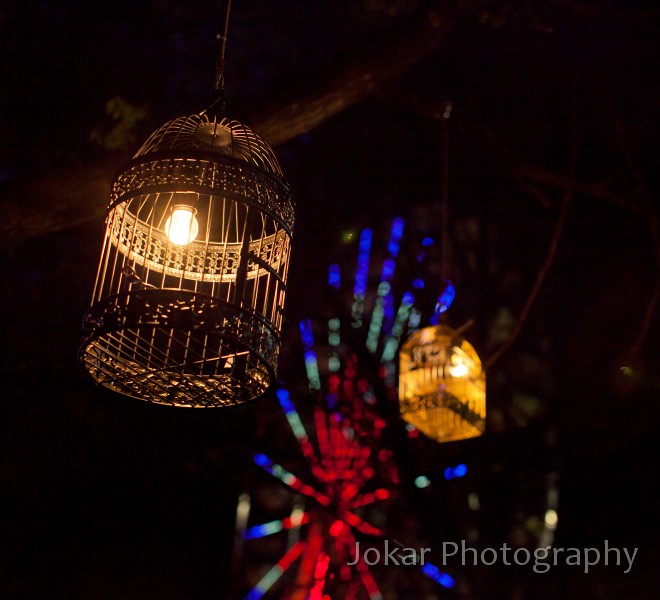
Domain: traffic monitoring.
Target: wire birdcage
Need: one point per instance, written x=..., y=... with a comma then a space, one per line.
x=442, y=386
x=187, y=305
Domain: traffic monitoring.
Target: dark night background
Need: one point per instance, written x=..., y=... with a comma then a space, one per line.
x=555, y=104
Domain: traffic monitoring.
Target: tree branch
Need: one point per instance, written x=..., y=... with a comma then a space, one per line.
x=652, y=304
x=365, y=71
x=58, y=200
x=538, y=284
x=552, y=250
x=593, y=9
x=525, y=174
x=75, y=195
x=655, y=235
x=600, y=190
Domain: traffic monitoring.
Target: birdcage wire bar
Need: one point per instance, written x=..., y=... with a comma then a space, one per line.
x=442, y=385
x=194, y=321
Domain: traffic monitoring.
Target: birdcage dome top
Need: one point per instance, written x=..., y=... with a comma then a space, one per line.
x=437, y=338
x=198, y=133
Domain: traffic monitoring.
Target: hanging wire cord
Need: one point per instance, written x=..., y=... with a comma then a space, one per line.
x=444, y=201
x=217, y=105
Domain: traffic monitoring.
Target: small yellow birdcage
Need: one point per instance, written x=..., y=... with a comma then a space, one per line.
x=442, y=386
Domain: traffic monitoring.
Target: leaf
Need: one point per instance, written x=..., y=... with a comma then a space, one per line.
x=125, y=116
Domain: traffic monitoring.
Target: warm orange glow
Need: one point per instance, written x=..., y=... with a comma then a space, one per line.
x=442, y=387
x=182, y=226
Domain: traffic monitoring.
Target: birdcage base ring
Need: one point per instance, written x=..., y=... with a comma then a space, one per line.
x=179, y=348
x=442, y=412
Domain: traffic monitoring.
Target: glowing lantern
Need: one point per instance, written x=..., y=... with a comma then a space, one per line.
x=442, y=387
x=187, y=306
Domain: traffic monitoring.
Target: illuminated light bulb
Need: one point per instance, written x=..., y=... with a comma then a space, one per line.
x=458, y=370
x=551, y=518
x=182, y=227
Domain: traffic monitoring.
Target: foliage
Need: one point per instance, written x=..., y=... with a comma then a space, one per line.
x=119, y=133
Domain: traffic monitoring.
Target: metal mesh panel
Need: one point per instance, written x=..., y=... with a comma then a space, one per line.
x=187, y=306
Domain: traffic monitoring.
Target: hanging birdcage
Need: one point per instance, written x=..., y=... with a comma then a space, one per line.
x=442, y=386
x=187, y=306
